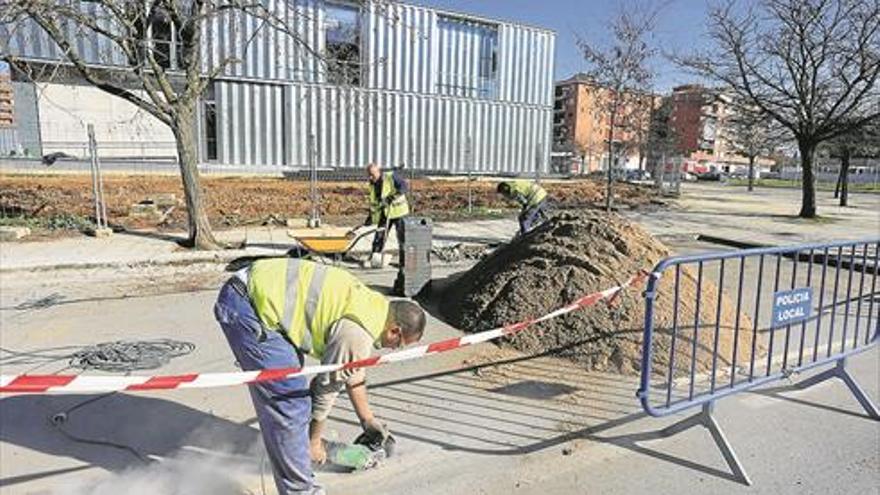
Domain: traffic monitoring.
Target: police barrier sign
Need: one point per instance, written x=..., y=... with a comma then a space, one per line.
x=792, y=306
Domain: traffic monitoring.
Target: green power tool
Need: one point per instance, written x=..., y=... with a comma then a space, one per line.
x=367, y=451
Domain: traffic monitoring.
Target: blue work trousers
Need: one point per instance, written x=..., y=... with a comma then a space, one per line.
x=284, y=406
x=532, y=216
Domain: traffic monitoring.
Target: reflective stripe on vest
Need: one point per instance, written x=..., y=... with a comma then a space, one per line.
x=304, y=299
x=532, y=192
x=291, y=319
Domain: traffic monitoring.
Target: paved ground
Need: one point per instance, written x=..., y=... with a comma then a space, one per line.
x=764, y=216
x=515, y=424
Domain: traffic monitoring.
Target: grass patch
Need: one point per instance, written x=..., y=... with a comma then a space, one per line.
x=63, y=221
x=19, y=221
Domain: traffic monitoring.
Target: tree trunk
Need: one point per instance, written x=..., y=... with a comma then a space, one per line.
x=659, y=172
x=839, y=181
x=200, y=235
x=844, y=176
x=608, y=190
x=751, y=173
x=808, y=180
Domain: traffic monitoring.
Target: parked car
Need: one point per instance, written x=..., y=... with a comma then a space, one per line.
x=713, y=175
x=637, y=175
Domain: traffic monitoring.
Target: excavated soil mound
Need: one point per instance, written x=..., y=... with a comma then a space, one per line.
x=575, y=254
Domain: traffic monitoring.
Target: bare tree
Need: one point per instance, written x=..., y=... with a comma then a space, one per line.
x=811, y=65
x=622, y=70
x=589, y=149
x=751, y=133
x=640, y=135
x=663, y=141
x=862, y=142
x=164, y=74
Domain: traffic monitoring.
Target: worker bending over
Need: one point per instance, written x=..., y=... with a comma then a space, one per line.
x=388, y=205
x=279, y=309
x=531, y=197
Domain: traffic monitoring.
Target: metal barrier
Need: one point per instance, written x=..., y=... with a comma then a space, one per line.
x=721, y=323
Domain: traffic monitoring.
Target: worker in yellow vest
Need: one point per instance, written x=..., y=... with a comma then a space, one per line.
x=276, y=311
x=388, y=206
x=531, y=197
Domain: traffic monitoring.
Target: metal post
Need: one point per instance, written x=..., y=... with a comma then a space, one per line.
x=469, y=161
x=411, y=160
x=314, y=219
x=97, y=188
x=101, y=188
x=538, y=163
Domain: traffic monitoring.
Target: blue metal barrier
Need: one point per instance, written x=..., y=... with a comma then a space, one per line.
x=721, y=323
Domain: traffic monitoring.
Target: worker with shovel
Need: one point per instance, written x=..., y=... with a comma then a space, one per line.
x=388, y=206
x=531, y=197
x=276, y=311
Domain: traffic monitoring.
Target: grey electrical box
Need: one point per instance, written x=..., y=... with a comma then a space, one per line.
x=415, y=251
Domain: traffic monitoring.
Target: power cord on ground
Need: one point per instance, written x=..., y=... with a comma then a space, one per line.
x=59, y=419
x=125, y=355
x=118, y=356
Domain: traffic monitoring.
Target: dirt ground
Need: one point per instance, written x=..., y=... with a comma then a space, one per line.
x=575, y=254
x=65, y=201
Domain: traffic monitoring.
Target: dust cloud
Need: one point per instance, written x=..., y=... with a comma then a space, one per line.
x=185, y=474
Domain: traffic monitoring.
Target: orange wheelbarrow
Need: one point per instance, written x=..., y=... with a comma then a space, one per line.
x=334, y=247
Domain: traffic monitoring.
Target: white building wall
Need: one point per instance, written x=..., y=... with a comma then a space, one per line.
x=121, y=128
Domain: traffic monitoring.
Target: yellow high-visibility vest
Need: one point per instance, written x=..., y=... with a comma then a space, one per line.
x=399, y=206
x=531, y=191
x=303, y=299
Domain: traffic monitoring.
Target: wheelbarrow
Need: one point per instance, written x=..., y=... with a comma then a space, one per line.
x=333, y=247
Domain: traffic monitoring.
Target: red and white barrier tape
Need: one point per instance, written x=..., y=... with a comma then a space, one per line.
x=85, y=383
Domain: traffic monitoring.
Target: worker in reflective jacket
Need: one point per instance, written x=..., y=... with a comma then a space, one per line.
x=276, y=311
x=388, y=205
x=531, y=197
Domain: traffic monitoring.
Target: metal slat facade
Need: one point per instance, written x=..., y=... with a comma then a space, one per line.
x=438, y=91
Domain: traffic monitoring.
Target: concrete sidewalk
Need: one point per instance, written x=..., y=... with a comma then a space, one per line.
x=142, y=247
x=474, y=420
x=765, y=216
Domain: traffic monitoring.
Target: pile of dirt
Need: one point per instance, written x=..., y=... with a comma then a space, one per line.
x=576, y=254
x=460, y=252
x=233, y=201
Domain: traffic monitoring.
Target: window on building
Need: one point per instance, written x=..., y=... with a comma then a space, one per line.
x=342, y=31
x=164, y=40
x=468, y=64
x=209, y=112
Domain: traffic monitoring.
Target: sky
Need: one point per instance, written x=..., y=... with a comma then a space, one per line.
x=680, y=27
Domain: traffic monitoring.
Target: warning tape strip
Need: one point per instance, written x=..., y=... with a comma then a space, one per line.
x=37, y=384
